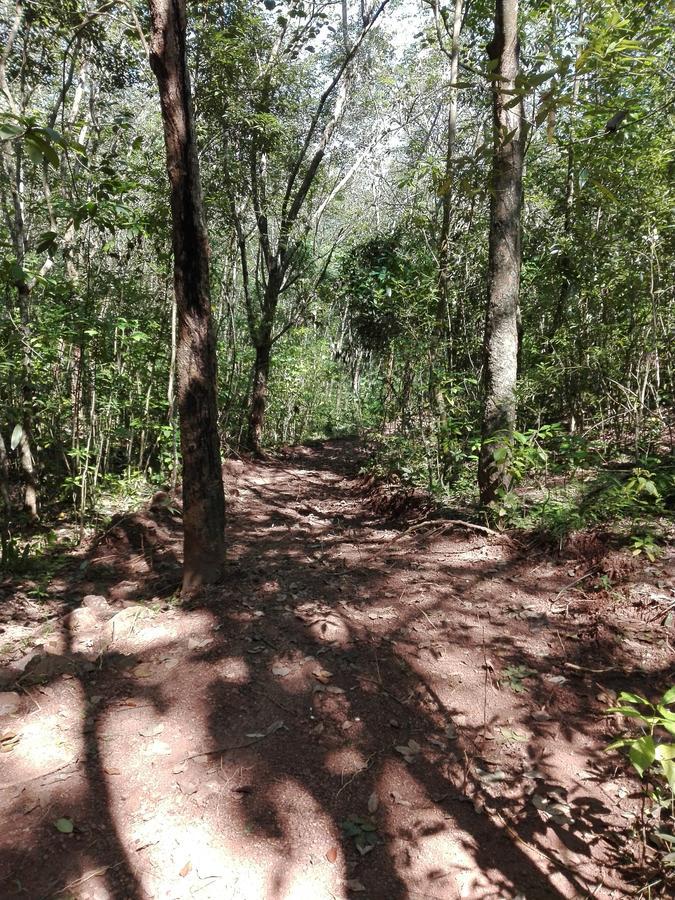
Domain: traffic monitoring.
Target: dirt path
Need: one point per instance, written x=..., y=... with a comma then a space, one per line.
x=355, y=713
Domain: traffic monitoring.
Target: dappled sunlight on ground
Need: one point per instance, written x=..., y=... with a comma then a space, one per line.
x=356, y=711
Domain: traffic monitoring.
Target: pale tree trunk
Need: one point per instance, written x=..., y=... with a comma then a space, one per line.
x=26, y=460
x=203, y=496
x=443, y=332
x=446, y=195
x=500, y=352
x=568, y=285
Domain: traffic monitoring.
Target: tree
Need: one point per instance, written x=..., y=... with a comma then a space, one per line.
x=272, y=167
x=500, y=351
x=203, y=496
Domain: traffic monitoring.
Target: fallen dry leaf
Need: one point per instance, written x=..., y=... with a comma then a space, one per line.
x=143, y=670
x=152, y=731
x=373, y=802
x=187, y=787
x=186, y=869
x=332, y=854
x=322, y=675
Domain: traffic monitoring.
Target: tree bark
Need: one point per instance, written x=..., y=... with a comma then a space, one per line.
x=500, y=350
x=203, y=496
x=4, y=478
x=258, y=406
x=446, y=195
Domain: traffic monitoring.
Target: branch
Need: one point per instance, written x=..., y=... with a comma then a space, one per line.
x=322, y=103
x=11, y=37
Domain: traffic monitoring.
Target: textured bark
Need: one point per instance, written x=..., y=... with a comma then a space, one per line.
x=261, y=373
x=501, y=326
x=203, y=496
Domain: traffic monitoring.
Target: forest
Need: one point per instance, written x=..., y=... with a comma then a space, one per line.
x=337, y=406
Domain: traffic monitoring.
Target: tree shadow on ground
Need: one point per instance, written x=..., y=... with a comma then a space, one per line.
x=332, y=685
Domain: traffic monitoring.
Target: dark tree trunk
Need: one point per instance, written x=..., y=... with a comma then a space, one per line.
x=203, y=496
x=261, y=374
x=500, y=352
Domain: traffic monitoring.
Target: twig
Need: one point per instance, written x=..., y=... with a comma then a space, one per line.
x=573, y=583
x=514, y=834
x=447, y=523
x=28, y=694
x=79, y=881
x=356, y=774
x=226, y=749
x=276, y=702
x=577, y=668
x=661, y=612
x=11, y=784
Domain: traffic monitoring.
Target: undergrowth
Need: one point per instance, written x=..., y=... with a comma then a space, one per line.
x=651, y=753
x=560, y=484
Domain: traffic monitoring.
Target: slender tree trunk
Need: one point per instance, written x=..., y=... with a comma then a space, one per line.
x=261, y=373
x=568, y=281
x=263, y=341
x=26, y=459
x=444, y=332
x=203, y=497
x=446, y=195
x=500, y=352
x=4, y=478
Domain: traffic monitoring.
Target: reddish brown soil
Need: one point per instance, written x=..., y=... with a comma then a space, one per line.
x=345, y=669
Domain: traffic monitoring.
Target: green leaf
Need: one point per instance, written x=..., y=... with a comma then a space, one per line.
x=65, y=826
x=642, y=754
x=669, y=696
x=7, y=131
x=34, y=151
x=625, y=697
x=665, y=751
x=668, y=768
x=46, y=242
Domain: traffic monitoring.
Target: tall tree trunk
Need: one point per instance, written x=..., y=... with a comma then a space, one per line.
x=568, y=280
x=26, y=459
x=4, y=480
x=203, y=496
x=446, y=195
x=444, y=331
x=258, y=406
x=500, y=351
x=263, y=340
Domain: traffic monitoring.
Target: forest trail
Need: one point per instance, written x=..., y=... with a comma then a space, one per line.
x=356, y=712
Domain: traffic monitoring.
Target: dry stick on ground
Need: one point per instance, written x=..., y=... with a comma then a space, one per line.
x=226, y=749
x=660, y=613
x=573, y=583
x=10, y=784
x=80, y=881
x=447, y=523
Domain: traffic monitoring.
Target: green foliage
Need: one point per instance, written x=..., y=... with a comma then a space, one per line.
x=363, y=832
x=651, y=753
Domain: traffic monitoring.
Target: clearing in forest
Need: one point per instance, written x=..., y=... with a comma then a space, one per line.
x=356, y=712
